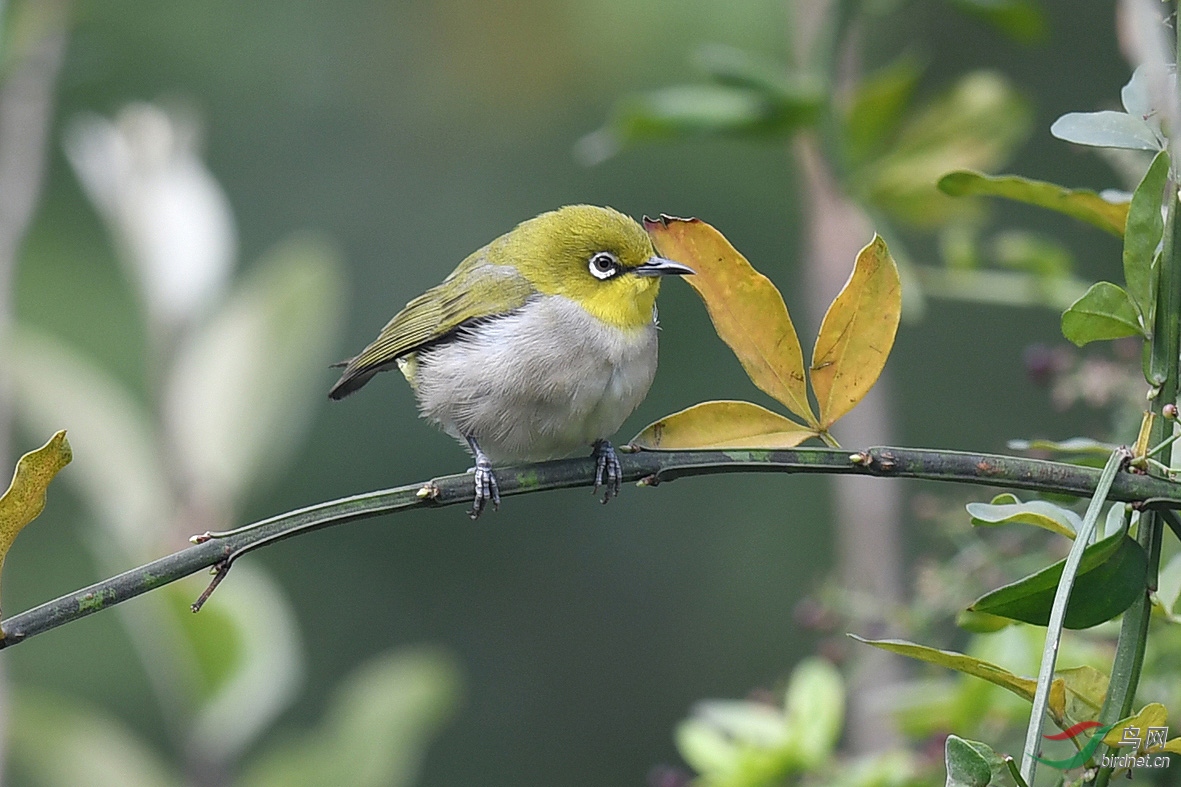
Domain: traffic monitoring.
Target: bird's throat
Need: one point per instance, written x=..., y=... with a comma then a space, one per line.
x=627, y=310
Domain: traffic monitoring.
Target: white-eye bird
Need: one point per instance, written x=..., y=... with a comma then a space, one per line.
x=539, y=343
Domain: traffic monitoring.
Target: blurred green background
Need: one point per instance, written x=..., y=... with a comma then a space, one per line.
x=408, y=134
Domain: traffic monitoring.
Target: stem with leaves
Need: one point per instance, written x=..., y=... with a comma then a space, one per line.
x=1164, y=353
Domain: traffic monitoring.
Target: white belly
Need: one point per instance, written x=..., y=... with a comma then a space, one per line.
x=538, y=384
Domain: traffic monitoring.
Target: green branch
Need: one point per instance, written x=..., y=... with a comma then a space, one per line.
x=647, y=467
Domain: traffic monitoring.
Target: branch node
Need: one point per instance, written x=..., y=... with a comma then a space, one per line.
x=219, y=573
x=860, y=458
x=883, y=463
x=428, y=491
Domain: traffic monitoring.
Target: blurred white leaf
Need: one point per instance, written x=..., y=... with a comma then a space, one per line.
x=116, y=462
x=265, y=669
x=1168, y=588
x=62, y=744
x=1112, y=524
x=746, y=722
x=1106, y=129
x=243, y=388
x=169, y=216
x=375, y=733
x=1146, y=39
x=1134, y=95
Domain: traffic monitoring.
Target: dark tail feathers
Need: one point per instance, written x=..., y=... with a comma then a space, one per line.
x=351, y=380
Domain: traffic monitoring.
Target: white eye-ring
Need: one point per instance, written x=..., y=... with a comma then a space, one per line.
x=604, y=265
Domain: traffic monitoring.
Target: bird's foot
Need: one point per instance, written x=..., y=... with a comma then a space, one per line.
x=485, y=482
x=608, y=471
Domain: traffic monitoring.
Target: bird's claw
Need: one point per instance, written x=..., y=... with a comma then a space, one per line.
x=608, y=471
x=486, y=488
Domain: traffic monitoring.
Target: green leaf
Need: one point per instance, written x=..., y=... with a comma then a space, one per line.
x=728, y=65
x=689, y=111
x=966, y=766
x=980, y=622
x=246, y=645
x=1038, y=513
x=745, y=722
x=1104, y=312
x=1110, y=577
x=705, y=748
x=815, y=710
x=63, y=744
x=1021, y=20
x=25, y=498
x=1143, y=234
x=741, y=742
x=376, y=731
x=734, y=742
x=969, y=665
x=1025, y=251
x=974, y=126
x=877, y=106
x=1080, y=204
x=1106, y=129
x=1076, y=450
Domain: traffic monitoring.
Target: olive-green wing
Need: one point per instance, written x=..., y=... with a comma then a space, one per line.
x=476, y=289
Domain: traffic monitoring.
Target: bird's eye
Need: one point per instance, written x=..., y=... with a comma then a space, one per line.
x=604, y=265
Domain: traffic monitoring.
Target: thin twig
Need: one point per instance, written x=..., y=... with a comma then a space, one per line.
x=650, y=466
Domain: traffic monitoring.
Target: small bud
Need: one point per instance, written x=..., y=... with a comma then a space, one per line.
x=1169, y=411
x=1043, y=363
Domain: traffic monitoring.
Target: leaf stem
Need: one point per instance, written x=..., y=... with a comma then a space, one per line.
x=650, y=467
x=1045, y=677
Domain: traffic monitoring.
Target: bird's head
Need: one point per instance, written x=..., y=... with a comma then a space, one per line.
x=597, y=257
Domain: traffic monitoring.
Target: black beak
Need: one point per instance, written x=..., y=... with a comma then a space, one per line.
x=659, y=266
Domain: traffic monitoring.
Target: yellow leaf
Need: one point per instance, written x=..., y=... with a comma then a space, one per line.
x=25, y=498
x=1173, y=746
x=857, y=333
x=970, y=665
x=1151, y=715
x=746, y=309
x=724, y=424
x=1086, y=688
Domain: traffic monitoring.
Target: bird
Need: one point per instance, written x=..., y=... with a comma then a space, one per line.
x=537, y=344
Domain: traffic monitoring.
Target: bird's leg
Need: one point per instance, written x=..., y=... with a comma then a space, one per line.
x=486, y=488
x=608, y=471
